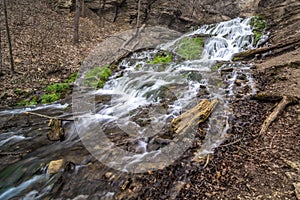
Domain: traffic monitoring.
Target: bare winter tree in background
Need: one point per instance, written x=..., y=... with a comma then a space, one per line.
x=76, y=22
x=82, y=9
x=138, y=14
x=0, y=55
x=12, y=67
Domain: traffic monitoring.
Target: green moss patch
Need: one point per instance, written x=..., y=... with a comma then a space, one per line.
x=216, y=67
x=49, y=98
x=258, y=25
x=162, y=58
x=72, y=78
x=53, y=93
x=97, y=77
x=57, y=87
x=190, y=48
x=28, y=102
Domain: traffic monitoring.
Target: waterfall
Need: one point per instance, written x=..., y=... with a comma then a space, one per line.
x=145, y=96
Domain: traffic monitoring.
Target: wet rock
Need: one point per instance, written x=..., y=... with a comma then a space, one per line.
x=242, y=77
x=238, y=82
x=70, y=167
x=64, y=5
x=108, y=175
x=162, y=141
x=55, y=166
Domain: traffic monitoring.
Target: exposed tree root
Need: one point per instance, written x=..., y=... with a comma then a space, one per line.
x=284, y=101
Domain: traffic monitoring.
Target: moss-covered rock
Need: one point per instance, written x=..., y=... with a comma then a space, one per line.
x=97, y=77
x=190, y=48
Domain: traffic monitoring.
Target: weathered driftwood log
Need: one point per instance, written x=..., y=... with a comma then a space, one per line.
x=194, y=116
x=284, y=101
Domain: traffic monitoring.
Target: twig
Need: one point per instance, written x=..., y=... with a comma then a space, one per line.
x=207, y=161
x=232, y=143
x=13, y=153
x=48, y=117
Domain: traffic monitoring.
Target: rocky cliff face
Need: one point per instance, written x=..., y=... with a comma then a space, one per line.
x=176, y=14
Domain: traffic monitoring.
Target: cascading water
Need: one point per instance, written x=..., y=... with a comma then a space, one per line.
x=127, y=126
x=145, y=96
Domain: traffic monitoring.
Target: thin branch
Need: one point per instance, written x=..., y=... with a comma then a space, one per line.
x=207, y=161
x=46, y=116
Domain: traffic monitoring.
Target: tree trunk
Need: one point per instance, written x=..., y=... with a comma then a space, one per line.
x=82, y=9
x=12, y=67
x=0, y=55
x=76, y=22
x=138, y=15
x=100, y=13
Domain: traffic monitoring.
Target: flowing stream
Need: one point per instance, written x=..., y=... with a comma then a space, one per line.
x=127, y=125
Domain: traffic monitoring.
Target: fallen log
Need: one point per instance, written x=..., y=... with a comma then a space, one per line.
x=193, y=117
x=273, y=50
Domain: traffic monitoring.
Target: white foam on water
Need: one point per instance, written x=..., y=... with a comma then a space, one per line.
x=34, y=108
x=14, y=191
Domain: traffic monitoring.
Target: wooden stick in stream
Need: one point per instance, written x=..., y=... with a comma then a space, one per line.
x=48, y=117
x=194, y=116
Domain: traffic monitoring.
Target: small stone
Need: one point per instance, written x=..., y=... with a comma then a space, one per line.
x=187, y=186
x=55, y=166
x=108, y=174
x=238, y=82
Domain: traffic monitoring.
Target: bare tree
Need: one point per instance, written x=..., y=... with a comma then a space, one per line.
x=76, y=22
x=101, y=12
x=138, y=14
x=12, y=67
x=0, y=55
x=83, y=9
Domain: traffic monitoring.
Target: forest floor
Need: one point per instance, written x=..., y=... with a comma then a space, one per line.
x=43, y=49
x=246, y=166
